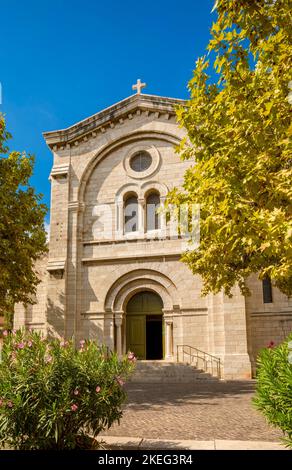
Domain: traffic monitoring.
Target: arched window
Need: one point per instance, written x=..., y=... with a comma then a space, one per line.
x=267, y=291
x=131, y=214
x=152, y=216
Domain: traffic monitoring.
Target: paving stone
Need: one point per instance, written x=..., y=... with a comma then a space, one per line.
x=247, y=445
x=197, y=411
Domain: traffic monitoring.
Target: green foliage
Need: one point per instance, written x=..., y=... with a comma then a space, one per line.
x=274, y=387
x=53, y=396
x=239, y=135
x=22, y=233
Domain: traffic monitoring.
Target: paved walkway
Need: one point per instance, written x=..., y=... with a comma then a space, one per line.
x=199, y=411
x=134, y=443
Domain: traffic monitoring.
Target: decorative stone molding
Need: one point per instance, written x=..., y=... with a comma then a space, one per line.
x=156, y=159
x=56, y=267
x=118, y=113
x=133, y=282
x=282, y=313
x=93, y=315
x=149, y=186
x=161, y=256
x=126, y=189
x=60, y=170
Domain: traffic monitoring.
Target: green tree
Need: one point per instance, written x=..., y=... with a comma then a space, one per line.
x=22, y=233
x=239, y=135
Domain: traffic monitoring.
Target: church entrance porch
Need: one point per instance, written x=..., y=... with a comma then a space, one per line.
x=144, y=326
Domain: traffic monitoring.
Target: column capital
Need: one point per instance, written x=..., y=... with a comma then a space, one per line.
x=119, y=318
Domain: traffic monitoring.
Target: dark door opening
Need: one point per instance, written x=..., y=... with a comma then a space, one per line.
x=154, y=337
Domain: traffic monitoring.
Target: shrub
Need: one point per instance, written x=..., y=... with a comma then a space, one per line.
x=274, y=387
x=54, y=396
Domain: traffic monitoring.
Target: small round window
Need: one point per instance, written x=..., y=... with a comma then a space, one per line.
x=141, y=161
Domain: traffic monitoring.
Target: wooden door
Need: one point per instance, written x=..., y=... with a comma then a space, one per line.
x=136, y=335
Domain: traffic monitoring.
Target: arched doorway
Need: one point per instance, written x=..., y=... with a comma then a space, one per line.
x=144, y=326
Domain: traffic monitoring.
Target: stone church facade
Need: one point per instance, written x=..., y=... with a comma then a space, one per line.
x=113, y=272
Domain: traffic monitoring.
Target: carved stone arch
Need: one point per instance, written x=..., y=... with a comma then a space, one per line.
x=148, y=186
x=109, y=147
x=133, y=287
x=128, y=188
x=142, y=277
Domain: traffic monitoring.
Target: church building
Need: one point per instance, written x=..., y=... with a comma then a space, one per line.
x=113, y=273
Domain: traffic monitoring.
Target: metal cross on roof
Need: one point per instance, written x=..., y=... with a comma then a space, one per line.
x=138, y=86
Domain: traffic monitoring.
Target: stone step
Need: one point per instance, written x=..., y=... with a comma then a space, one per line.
x=171, y=372
x=171, y=379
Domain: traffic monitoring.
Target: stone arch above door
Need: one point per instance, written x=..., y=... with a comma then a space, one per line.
x=141, y=285
x=137, y=280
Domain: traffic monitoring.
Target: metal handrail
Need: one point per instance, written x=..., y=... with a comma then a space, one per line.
x=199, y=354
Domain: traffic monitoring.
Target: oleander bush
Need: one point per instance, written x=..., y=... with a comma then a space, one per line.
x=56, y=396
x=274, y=387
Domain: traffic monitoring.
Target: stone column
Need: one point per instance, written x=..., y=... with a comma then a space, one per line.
x=119, y=219
x=109, y=334
x=168, y=339
x=162, y=217
x=141, y=216
x=118, y=324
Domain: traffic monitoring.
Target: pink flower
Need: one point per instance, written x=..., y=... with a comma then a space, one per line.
x=81, y=343
x=29, y=343
x=20, y=345
x=5, y=333
x=48, y=359
x=10, y=404
x=98, y=389
x=74, y=407
x=120, y=381
x=76, y=392
x=131, y=357
x=14, y=332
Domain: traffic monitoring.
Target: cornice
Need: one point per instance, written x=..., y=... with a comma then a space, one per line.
x=110, y=117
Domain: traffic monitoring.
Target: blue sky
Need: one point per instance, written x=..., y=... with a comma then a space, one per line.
x=63, y=60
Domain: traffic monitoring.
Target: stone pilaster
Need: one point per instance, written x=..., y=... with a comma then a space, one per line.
x=74, y=270
x=236, y=359
x=57, y=261
x=109, y=333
